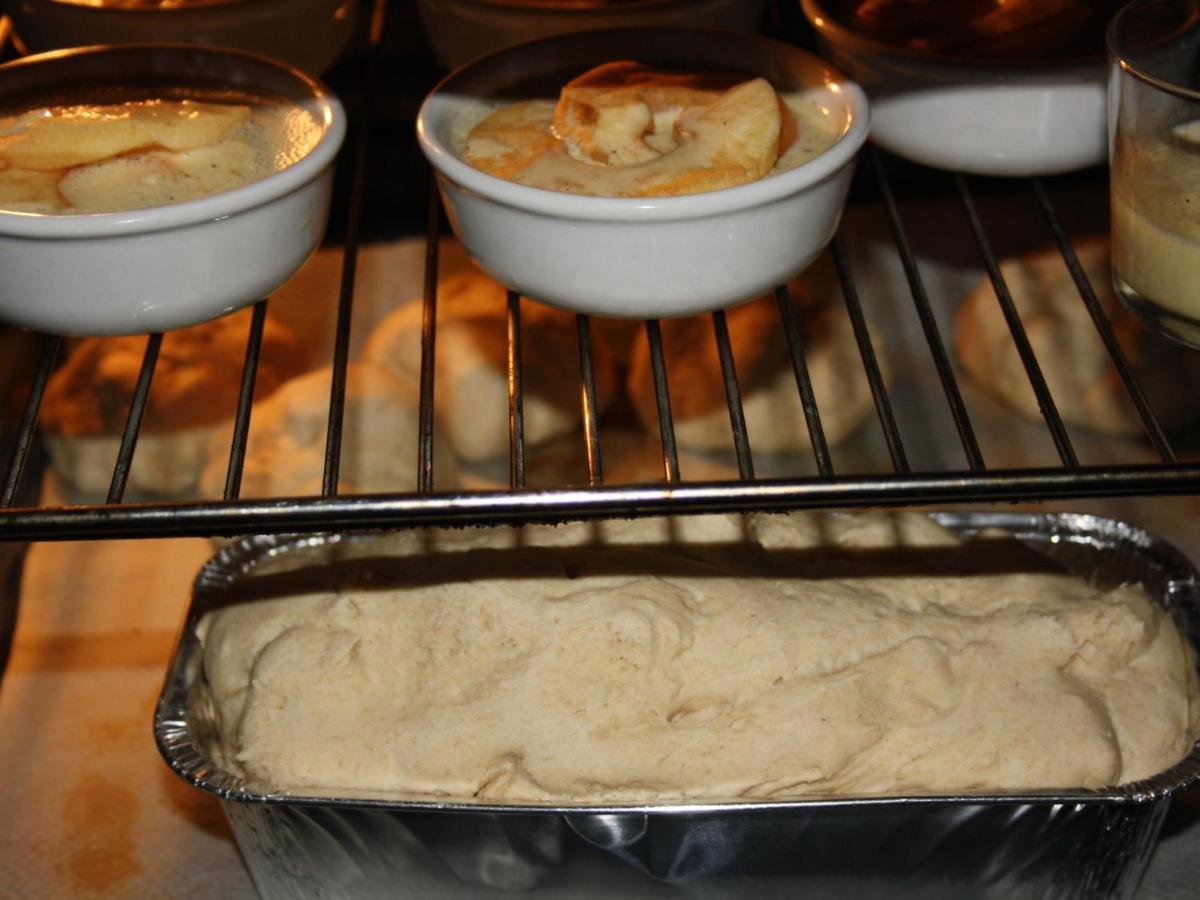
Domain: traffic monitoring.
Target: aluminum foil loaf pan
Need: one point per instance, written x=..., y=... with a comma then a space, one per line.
x=1073, y=843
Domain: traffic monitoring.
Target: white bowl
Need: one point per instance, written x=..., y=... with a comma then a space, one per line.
x=462, y=30
x=654, y=256
x=982, y=118
x=154, y=269
x=308, y=34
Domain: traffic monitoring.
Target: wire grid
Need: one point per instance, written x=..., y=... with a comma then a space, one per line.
x=426, y=506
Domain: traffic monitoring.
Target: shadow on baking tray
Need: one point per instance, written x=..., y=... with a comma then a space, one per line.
x=410, y=561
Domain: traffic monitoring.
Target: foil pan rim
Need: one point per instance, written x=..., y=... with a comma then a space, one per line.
x=1044, y=530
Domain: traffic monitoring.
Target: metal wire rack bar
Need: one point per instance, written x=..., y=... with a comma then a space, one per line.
x=866, y=349
x=241, y=422
x=428, y=347
x=733, y=397
x=289, y=515
x=1103, y=327
x=133, y=423
x=20, y=453
x=516, y=406
x=662, y=396
x=933, y=337
x=1033, y=369
x=587, y=377
x=812, y=416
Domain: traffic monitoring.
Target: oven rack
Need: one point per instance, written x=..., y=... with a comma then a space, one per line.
x=903, y=486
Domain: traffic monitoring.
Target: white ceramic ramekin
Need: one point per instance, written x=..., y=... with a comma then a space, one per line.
x=308, y=34
x=154, y=269
x=657, y=256
x=983, y=118
x=462, y=30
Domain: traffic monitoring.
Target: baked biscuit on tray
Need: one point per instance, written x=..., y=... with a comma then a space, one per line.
x=194, y=393
x=771, y=402
x=285, y=455
x=1085, y=385
x=471, y=384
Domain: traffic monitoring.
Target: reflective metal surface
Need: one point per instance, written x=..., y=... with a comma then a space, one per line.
x=1045, y=844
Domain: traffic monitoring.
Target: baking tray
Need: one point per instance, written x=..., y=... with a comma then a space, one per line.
x=1074, y=843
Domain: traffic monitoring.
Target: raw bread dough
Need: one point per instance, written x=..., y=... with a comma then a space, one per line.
x=707, y=658
x=1082, y=379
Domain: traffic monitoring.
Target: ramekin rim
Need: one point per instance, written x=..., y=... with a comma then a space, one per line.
x=636, y=5
x=209, y=8
x=828, y=28
x=202, y=209
x=689, y=206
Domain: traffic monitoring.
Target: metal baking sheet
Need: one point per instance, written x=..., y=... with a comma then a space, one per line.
x=1047, y=844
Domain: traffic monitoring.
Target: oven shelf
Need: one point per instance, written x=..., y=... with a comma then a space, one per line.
x=906, y=484
x=346, y=513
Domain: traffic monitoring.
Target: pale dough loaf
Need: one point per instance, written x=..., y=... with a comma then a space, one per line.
x=692, y=662
x=471, y=383
x=285, y=454
x=1082, y=379
x=771, y=401
x=194, y=393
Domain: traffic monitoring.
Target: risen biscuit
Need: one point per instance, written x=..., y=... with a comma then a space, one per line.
x=195, y=390
x=471, y=385
x=1082, y=379
x=285, y=455
x=770, y=399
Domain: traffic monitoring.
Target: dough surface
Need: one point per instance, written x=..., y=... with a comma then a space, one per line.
x=684, y=659
x=1082, y=379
